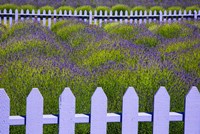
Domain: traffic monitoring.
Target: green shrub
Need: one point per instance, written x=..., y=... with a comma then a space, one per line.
x=138, y=9
x=66, y=32
x=147, y=41
x=157, y=9
x=28, y=7
x=120, y=7
x=103, y=9
x=63, y=8
x=175, y=8
x=46, y=8
x=170, y=30
x=55, y=27
x=84, y=8
x=192, y=8
x=13, y=7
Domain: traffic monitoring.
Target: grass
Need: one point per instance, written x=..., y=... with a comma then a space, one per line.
x=85, y=57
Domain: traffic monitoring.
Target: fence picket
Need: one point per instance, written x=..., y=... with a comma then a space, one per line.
x=192, y=110
x=145, y=14
x=10, y=18
x=140, y=19
x=90, y=17
x=155, y=15
x=121, y=14
x=80, y=14
x=44, y=18
x=161, y=16
x=38, y=18
x=27, y=14
x=110, y=16
x=100, y=20
x=0, y=17
x=4, y=112
x=95, y=15
x=67, y=112
x=165, y=16
x=136, y=15
x=116, y=14
x=184, y=14
x=54, y=17
x=180, y=15
x=126, y=15
x=5, y=17
x=16, y=16
x=169, y=16
x=49, y=19
x=131, y=15
x=85, y=14
x=150, y=15
x=34, y=112
x=130, y=112
x=98, y=112
x=105, y=14
x=161, y=112
x=175, y=15
x=33, y=15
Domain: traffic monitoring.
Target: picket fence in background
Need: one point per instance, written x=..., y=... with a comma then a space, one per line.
x=93, y=18
x=98, y=118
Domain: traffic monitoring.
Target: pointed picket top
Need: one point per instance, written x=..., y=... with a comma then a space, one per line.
x=121, y=13
x=65, y=12
x=130, y=112
x=100, y=13
x=54, y=12
x=184, y=12
x=95, y=13
x=145, y=12
x=49, y=12
x=98, y=112
x=140, y=12
x=33, y=12
x=110, y=13
x=85, y=12
x=106, y=13
x=126, y=13
x=34, y=112
x=150, y=12
x=16, y=11
x=80, y=12
x=192, y=110
x=155, y=12
x=136, y=13
x=67, y=112
x=60, y=12
x=4, y=112
x=180, y=12
x=44, y=12
x=165, y=12
x=5, y=11
x=38, y=12
x=10, y=11
x=170, y=12
x=174, y=12
x=27, y=12
x=190, y=12
x=116, y=13
x=70, y=12
x=161, y=112
x=75, y=12
x=131, y=13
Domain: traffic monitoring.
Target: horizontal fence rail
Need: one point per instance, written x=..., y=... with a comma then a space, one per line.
x=98, y=118
x=47, y=18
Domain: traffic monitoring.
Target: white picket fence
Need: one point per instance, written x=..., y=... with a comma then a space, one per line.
x=98, y=118
x=94, y=18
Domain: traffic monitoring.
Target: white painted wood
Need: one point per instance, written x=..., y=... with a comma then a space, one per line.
x=121, y=14
x=140, y=20
x=195, y=15
x=131, y=15
x=67, y=112
x=192, y=112
x=180, y=14
x=150, y=14
x=100, y=20
x=10, y=18
x=49, y=19
x=160, y=16
x=116, y=14
x=105, y=14
x=5, y=18
x=80, y=14
x=95, y=20
x=155, y=14
x=184, y=14
x=85, y=14
x=174, y=18
x=135, y=19
x=22, y=13
x=130, y=112
x=27, y=13
x=16, y=16
x=165, y=18
x=34, y=112
x=65, y=15
x=98, y=112
x=126, y=15
x=0, y=17
x=38, y=18
x=4, y=112
x=110, y=16
x=161, y=112
x=169, y=18
x=54, y=17
x=90, y=17
x=44, y=18
x=33, y=15
x=145, y=14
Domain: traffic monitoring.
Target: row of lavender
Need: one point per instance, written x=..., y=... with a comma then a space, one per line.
x=94, y=18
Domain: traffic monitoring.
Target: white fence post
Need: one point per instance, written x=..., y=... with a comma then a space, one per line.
x=34, y=112
x=165, y=16
x=192, y=112
x=136, y=15
x=54, y=17
x=105, y=14
x=16, y=16
x=44, y=18
x=180, y=15
x=195, y=15
x=67, y=112
x=150, y=15
x=95, y=15
x=33, y=15
x=131, y=15
x=21, y=14
x=85, y=14
x=100, y=20
x=98, y=112
x=161, y=112
x=126, y=15
x=155, y=16
x=121, y=14
x=27, y=13
x=169, y=18
x=38, y=16
x=81, y=15
x=140, y=19
x=116, y=14
x=0, y=17
x=145, y=14
x=161, y=16
x=110, y=16
x=130, y=112
x=4, y=112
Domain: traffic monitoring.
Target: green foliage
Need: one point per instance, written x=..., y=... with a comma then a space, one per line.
x=46, y=8
x=175, y=8
x=103, y=9
x=120, y=7
x=157, y=9
x=173, y=30
x=13, y=7
x=147, y=41
x=67, y=8
x=122, y=30
x=138, y=9
x=56, y=26
x=28, y=7
x=84, y=8
x=192, y=8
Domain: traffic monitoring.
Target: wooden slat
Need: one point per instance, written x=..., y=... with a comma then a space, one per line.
x=67, y=112
x=130, y=112
x=4, y=112
x=98, y=112
x=192, y=112
x=34, y=112
x=161, y=112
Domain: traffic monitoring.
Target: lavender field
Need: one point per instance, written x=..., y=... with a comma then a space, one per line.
x=81, y=56
x=56, y=3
